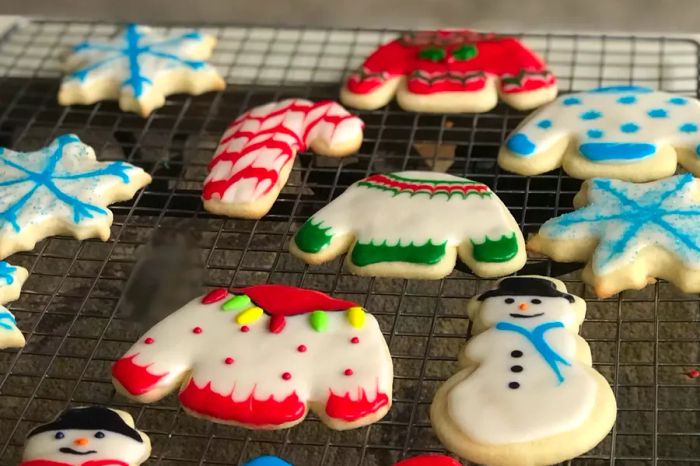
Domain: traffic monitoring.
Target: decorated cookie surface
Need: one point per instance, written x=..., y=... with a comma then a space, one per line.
x=262, y=357
x=626, y=132
x=12, y=277
x=139, y=68
x=414, y=224
x=527, y=393
x=450, y=71
x=256, y=153
x=10, y=335
x=60, y=189
x=422, y=460
x=88, y=436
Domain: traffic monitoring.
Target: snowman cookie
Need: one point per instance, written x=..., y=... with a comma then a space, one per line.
x=626, y=132
x=262, y=357
x=450, y=71
x=256, y=153
x=527, y=394
x=88, y=436
x=139, y=68
x=630, y=234
x=414, y=225
x=60, y=189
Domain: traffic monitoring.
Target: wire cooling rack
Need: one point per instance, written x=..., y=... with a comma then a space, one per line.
x=72, y=308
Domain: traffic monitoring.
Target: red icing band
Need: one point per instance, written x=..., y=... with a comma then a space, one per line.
x=284, y=300
x=250, y=411
x=413, y=186
x=429, y=460
x=344, y=408
x=136, y=379
x=215, y=296
x=277, y=323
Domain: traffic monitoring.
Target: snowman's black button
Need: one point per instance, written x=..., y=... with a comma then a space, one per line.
x=516, y=368
x=516, y=353
x=514, y=385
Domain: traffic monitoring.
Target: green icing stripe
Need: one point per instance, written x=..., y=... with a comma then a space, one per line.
x=367, y=253
x=394, y=176
x=312, y=238
x=369, y=184
x=500, y=250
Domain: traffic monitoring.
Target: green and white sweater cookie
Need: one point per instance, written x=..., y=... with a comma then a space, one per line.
x=412, y=225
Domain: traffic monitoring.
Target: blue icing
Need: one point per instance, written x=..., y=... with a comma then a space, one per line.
x=520, y=144
x=132, y=51
x=626, y=217
x=591, y=115
x=614, y=89
x=267, y=461
x=629, y=127
x=568, y=101
x=677, y=101
x=7, y=320
x=7, y=272
x=46, y=177
x=544, y=124
x=657, y=113
x=627, y=100
x=595, y=133
x=688, y=128
x=616, y=151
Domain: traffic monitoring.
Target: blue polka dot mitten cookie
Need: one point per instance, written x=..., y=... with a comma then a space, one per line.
x=625, y=132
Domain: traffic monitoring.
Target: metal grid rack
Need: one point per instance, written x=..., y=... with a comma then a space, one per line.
x=73, y=309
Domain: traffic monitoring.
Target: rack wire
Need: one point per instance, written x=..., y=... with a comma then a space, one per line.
x=72, y=309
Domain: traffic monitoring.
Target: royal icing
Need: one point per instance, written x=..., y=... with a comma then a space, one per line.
x=626, y=217
x=421, y=460
x=137, y=65
x=259, y=374
x=529, y=383
x=617, y=124
x=12, y=278
x=267, y=461
x=10, y=335
x=413, y=218
x=87, y=436
x=60, y=189
x=256, y=151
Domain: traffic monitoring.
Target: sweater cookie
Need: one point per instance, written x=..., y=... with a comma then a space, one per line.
x=526, y=394
x=257, y=151
x=626, y=132
x=450, y=71
x=413, y=225
x=262, y=357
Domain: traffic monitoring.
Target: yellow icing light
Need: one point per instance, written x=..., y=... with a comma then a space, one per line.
x=249, y=316
x=356, y=317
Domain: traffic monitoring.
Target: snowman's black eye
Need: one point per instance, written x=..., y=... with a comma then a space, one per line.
x=510, y=300
x=100, y=435
x=536, y=301
x=59, y=435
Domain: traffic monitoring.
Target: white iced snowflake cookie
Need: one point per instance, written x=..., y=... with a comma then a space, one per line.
x=624, y=132
x=526, y=394
x=261, y=358
x=139, y=68
x=60, y=189
x=87, y=436
x=629, y=234
x=414, y=225
x=256, y=153
x=12, y=278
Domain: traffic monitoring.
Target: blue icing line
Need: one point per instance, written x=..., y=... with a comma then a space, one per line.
x=657, y=113
x=568, y=101
x=616, y=151
x=591, y=115
x=267, y=461
x=688, y=128
x=7, y=272
x=544, y=124
x=595, y=133
x=627, y=100
x=6, y=316
x=677, y=101
x=614, y=89
x=520, y=144
x=629, y=127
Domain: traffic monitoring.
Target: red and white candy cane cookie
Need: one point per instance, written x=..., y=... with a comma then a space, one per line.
x=256, y=153
x=262, y=357
x=450, y=71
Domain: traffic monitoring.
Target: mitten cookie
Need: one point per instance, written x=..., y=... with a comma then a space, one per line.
x=139, y=68
x=256, y=153
x=413, y=225
x=422, y=460
x=630, y=234
x=88, y=436
x=264, y=356
x=450, y=71
x=625, y=132
x=527, y=394
x=60, y=189
x=267, y=460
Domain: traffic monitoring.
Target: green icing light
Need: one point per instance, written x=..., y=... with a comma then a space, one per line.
x=369, y=253
x=465, y=52
x=500, y=250
x=312, y=238
x=432, y=53
x=236, y=302
x=319, y=321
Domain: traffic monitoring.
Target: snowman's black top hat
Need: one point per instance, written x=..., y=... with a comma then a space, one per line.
x=90, y=418
x=526, y=286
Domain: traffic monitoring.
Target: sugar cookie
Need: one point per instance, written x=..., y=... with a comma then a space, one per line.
x=422, y=460
x=413, y=225
x=12, y=278
x=527, y=394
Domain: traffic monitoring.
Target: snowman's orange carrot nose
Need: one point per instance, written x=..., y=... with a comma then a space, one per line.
x=81, y=441
x=523, y=306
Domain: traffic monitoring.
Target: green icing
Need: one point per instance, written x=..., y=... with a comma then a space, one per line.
x=500, y=250
x=312, y=238
x=465, y=52
x=432, y=53
x=319, y=321
x=369, y=253
x=236, y=302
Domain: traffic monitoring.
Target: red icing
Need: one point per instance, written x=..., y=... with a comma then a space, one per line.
x=519, y=68
x=277, y=323
x=136, y=379
x=102, y=462
x=414, y=186
x=694, y=374
x=287, y=300
x=348, y=372
x=301, y=348
x=215, y=296
x=197, y=330
x=245, y=329
x=250, y=411
x=149, y=341
x=343, y=407
x=287, y=376
x=429, y=460
x=355, y=340
x=229, y=360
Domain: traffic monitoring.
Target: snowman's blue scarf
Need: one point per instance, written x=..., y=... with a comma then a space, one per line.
x=5, y=315
x=536, y=337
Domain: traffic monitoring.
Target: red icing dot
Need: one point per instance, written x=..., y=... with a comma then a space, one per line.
x=694, y=374
x=228, y=360
x=197, y=330
x=302, y=348
x=215, y=295
x=355, y=340
x=149, y=341
x=348, y=372
x=286, y=376
x=245, y=328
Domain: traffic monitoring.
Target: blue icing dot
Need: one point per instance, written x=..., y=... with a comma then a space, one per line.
x=595, y=133
x=629, y=127
x=627, y=100
x=677, y=101
x=521, y=145
x=657, y=113
x=267, y=461
x=571, y=101
x=613, y=89
x=544, y=124
x=591, y=115
x=688, y=128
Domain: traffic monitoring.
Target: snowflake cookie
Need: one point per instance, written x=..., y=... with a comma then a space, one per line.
x=450, y=71
x=60, y=189
x=139, y=68
x=625, y=132
x=256, y=153
x=413, y=225
x=630, y=234
x=262, y=357
x=12, y=278
x=526, y=393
